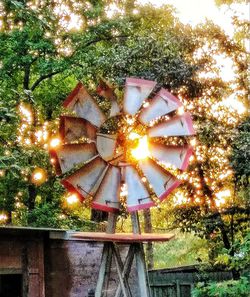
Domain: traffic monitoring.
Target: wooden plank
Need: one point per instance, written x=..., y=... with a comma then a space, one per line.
x=185, y=290
x=108, y=269
x=178, y=290
x=120, y=268
x=104, y=263
x=135, y=224
x=112, y=218
x=127, y=267
x=10, y=271
x=106, y=257
x=41, y=268
x=121, y=237
x=140, y=258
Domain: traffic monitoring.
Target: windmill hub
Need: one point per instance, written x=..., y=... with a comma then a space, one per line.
x=128, y=140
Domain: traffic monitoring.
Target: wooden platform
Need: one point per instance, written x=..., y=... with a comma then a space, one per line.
x=122, y=237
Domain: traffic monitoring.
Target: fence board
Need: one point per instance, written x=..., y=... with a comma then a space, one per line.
x=185, y=290
x=178, y=282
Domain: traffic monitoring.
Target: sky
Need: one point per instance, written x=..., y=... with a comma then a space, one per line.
x=196, y=11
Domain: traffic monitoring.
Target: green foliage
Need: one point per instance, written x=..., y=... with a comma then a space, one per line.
x=50, y=215
x=232, y=288
x=228, y=2
x=241, y=153
x=185, y=249
x=240, y=259
x=231, y=251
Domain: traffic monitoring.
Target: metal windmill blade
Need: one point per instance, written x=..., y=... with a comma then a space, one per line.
x=73, y=128
x=162, y=104
x=138, y=196
x=68, y=156
x=136, y=91
x=177, y=156
x=84, y=106
x=180, y=125
x=106, y=91
x=86, y=180
x=107, y=196
x=161, y=180
x=118, y=157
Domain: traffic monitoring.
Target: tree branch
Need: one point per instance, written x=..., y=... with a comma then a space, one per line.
x=42, y=78
x=108, y=38
x=26, y=79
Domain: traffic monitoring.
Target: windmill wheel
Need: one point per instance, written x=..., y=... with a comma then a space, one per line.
x=120, y=156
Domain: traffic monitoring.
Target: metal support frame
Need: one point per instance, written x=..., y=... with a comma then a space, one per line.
x=136, y=251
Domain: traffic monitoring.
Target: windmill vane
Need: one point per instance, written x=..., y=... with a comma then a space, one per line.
x=120, y=154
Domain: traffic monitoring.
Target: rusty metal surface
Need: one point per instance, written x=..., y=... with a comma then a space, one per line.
x=72, y=129
x=136, y=91
x=162, y=104
x=161, y=180
x=87, y=179
x=177, y=156
x=107, y=195
x=106, y=145
x=70, y=155
x=180, y=125
x=138, y=196
x=84, y=106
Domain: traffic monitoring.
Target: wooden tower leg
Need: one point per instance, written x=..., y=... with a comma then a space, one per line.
x=106, y=257
x=126, y=269
x=140, y=259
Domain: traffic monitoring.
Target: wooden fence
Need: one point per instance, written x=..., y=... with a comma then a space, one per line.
x=178, y=282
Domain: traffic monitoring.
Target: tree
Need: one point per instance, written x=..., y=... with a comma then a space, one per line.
x=240, y=157
x=228, y=2
x=35, y=62
x=42, y=58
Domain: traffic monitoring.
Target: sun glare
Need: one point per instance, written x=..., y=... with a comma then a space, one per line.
x=55, y=142
x=193, y=12
x=221, y=197
x=68, y=19
x=72, y=199
x=3, y=217
x=39, y=176
x=234, y=104
x=133, y=136
x=141, y=151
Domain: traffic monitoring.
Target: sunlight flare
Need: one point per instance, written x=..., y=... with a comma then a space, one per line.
x=39, y=176
x=72, y=199
x=55, y=142
x=141, y=151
